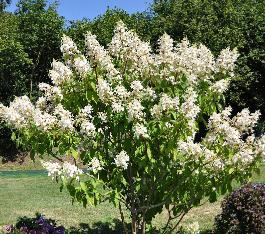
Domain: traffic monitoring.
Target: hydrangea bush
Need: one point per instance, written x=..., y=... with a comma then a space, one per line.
x=132, y=117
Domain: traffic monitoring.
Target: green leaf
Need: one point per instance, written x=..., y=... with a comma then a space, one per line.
x=75, y=153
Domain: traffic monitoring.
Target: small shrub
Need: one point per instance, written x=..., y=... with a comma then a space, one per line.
x=37, y=225
x=243, y=211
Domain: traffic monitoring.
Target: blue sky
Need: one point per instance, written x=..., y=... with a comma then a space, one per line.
x=78, y=9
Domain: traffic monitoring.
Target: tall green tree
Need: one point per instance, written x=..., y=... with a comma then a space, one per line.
x=14, y=67
x=4, y=4
x=40, y=29
x=103, y=26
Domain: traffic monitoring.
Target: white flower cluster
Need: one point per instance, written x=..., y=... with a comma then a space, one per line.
x=189, y=107
x=122, y=159
x=140, y=131
x=19, y=113
x=52, y=93
x=66, y=121
x=68, y=46
x=196, y=62
x=165, y=104
x=232, y=129
x=65, y=171
x=73, y=56
x=246, y=121
x=44, y=121
x=166, y=51
x=60, y=73
x=220, y=86
x=127, y=46
x=53, y=168
x=95, y=165
x=100, y=56
x=226, y=61
x=135, y=110
x=88, y=128
x=69, y=171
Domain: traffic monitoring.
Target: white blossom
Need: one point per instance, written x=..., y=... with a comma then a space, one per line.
x=95, y=165
x=59, y=73
x=195, y=61
x=41, y=103
x=52, y=93
x=69, y=171
x=137, y=87
x=166, y=50
x=102, y=116
x=245, y=120
x=220, y=86
x=81, y=65
x=190, y=148
x=245, y=156
x=140, y=131
x=20, y=112
x=121, y=92
x=68, y=47
x=105, y=92
x=189, y=106
x=86, y=112
x=127, y=45
x=135, y=110
x=88, y=128
x=44, y=121
x=65, y=118
x=53, y=168
x=100, y=56
x=117, y=106
x=226, y=60
x=122, y=159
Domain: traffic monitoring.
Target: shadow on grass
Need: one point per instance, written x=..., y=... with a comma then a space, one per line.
x=114, y=227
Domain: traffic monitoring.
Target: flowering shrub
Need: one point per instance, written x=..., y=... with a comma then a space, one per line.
x=243, y=211
x=37, y=225
x=132, y=116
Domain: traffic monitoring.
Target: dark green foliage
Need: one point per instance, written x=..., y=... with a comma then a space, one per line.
x=103, y=26
x=14, y=61
x=4, y=4
x=243, y=211
x=14, y=67
x=40, y=30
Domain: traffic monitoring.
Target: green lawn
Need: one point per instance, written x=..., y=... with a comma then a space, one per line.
x=27, y=194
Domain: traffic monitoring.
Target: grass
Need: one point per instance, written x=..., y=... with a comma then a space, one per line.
x=29, y=194
x=26, y=194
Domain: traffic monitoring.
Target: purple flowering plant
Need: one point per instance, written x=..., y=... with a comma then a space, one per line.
x=38, y=225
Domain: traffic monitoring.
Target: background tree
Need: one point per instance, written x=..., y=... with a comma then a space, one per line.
x=103, y=26
x=4, y=4
x=40, y=29
x=14, y=67
x=29, y=40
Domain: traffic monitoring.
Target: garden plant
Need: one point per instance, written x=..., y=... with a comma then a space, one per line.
x=148, y=126
x=243, y=211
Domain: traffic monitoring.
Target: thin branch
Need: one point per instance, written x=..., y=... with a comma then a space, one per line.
x=122, y=219
x=182, y=216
